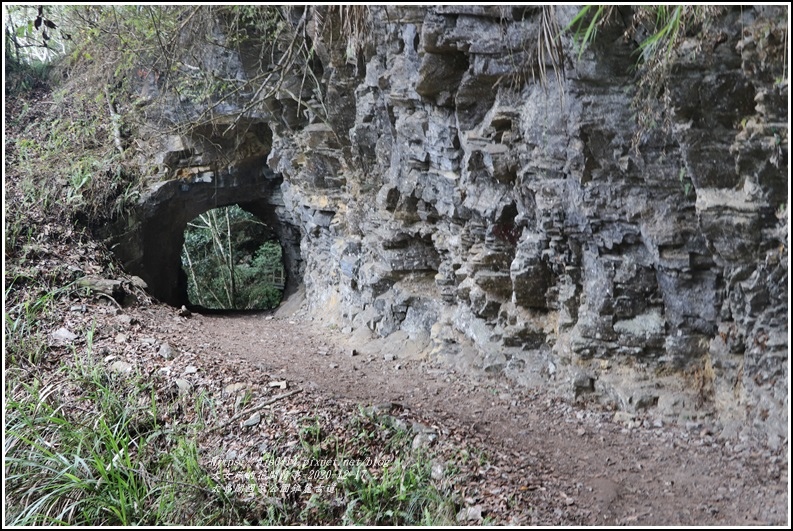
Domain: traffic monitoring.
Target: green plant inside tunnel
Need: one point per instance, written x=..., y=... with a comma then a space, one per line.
x=232, y=261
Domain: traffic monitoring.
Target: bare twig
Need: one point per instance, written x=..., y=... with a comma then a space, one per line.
x=115, y=120
x=110, y=298
x=253, y=409
x=283, y=64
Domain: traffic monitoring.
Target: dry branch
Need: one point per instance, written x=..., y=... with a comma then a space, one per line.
x=115, y=120
x=255, y=408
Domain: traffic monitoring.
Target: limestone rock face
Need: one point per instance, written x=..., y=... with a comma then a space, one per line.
x=537, y=230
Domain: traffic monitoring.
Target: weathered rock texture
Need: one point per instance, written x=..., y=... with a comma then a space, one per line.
x=534, y=230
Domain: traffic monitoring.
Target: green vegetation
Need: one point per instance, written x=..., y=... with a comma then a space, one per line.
x=685, y=181
x=143, y=58
x=88, y=443
x=89, y=446
x=66, y=158
x=399, y=493
x=660, y=31
x=25, y=319
x=362, y=472
x=227, y=266
x=666, y=25
x=115, y=68
x=99, y=455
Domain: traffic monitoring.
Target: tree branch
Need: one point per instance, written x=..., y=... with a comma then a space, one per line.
x=115, y=120
x=253, y=409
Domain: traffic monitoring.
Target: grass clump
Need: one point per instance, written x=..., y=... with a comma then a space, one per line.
x=362, y=472
x=89, y=443
x=86, y=447
x=659, y=31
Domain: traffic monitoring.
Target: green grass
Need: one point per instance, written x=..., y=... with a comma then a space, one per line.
x=662, y=29
x=381, y=480
x=666, y=22
x=86, y=446
x=25, y=339
x=400, y=494
x=585, y=25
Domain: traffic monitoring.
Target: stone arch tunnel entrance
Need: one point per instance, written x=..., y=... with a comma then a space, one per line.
x=149, y=241
x=152, y=246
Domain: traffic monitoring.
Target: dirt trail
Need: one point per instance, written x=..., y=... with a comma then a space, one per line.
x=599, y=471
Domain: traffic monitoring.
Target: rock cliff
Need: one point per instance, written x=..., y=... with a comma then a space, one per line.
x=449, y=198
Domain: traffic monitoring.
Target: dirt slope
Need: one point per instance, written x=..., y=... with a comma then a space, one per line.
x=581, y=466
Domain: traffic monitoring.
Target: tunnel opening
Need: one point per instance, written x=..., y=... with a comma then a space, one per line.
x=233, y=261
x=149, y=239
x=196, y=173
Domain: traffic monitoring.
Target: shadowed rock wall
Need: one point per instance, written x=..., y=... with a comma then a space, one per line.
x=535, y=230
